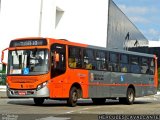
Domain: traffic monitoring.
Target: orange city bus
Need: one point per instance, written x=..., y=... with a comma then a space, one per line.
x=46, y=68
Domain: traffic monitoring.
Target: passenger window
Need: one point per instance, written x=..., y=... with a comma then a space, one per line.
x=113, y=62
x=101, y=60
x=135, y=68
x=89, y=59
x=75, y=58
x=152, y=66
x=124, y=66
x=144, y=65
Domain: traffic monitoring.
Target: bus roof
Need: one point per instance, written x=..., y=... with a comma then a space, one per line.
x=122, y=51
x=88, y=46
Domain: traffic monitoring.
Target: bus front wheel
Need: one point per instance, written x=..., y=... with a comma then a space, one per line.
x=38, y=101
x=73, y=97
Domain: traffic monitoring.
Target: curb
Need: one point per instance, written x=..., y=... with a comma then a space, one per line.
x=3, y=94
x=2, y=88
x=3, y=91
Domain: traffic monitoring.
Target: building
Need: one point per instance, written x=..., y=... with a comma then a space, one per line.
x=153, y=47
x=94, y=22
x=122, y=33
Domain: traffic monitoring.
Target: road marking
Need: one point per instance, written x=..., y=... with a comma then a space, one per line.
x=54, y=118
x=83, y=109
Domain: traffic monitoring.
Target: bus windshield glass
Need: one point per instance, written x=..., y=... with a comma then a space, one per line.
x=28, y=62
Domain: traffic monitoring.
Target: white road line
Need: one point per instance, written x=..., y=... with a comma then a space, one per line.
x=82, y=110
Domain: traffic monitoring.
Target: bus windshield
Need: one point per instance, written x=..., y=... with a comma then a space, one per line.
x=28, y=62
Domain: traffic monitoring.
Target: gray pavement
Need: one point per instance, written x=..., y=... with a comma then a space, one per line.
x=3, y=92
x=24, y=109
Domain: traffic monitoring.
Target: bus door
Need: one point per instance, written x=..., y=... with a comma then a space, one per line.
x=58, y=68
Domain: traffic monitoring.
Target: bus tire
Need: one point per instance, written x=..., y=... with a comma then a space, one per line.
x=130, y=97
x=99, y=101
x=73, y=97
x=38, y=101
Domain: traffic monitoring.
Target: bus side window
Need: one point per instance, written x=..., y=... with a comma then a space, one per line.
x=75, y=58
x=114, y=61
x=101, y=60
x=144, y=65
x=72, y=62
x=89, y=59
x=135, y=68
x=151, y=67
x=124, y=66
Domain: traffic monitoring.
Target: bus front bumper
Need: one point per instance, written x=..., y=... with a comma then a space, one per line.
x=43, y=92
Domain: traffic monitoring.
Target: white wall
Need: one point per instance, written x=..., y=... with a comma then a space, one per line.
x=48, y=18
x=18, y=18
x=82, y=21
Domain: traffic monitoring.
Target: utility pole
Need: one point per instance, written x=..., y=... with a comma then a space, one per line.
x=0, y=6
x=40, y=18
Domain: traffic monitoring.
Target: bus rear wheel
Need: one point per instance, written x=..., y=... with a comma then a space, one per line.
x=38, y=101
x=130, y=97
x=73, y=97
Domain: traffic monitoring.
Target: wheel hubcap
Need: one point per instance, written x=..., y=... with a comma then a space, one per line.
x=130, y=96
x=74, y=96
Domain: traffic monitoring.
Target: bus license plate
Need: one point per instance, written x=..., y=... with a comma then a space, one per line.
x=21, y=92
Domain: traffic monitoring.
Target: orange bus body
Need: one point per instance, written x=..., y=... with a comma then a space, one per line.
x=60, y=87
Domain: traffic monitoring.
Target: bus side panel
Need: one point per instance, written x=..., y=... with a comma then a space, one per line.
x=119, y=84
x=76, y=76
x=148, y=83
x=55, y=86
x=61, y=85
x=99, y=82
x=143, y=84
x=113, y=84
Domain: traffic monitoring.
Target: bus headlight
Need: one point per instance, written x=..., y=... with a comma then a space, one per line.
x=41, y=86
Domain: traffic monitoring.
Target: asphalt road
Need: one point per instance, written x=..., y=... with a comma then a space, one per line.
x=24, y=109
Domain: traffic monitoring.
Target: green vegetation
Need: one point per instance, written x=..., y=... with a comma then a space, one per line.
x=2, y=74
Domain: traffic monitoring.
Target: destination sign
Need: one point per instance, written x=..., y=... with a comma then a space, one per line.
x=28, y=42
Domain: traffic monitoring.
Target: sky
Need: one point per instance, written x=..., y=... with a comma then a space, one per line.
x=145, y=14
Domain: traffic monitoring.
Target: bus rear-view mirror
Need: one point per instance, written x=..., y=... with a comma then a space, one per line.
x=2, y=56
